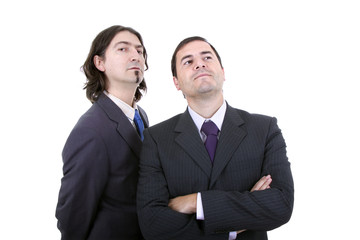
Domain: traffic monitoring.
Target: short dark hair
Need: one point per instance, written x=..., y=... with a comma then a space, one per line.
x=182, y=44
x=95, y=79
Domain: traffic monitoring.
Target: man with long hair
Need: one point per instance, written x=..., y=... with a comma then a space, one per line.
x=101, y=155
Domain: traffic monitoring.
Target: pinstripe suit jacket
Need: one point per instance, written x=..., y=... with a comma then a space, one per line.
x=174, y=162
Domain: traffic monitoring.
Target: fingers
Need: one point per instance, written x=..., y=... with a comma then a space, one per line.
x=184, y=204
x=171, y=203
x=262, y=184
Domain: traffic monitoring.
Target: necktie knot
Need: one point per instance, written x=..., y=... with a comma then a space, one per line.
x=209, y=128
x=139, y=124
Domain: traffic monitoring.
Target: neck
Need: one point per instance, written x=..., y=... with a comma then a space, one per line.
x=206, y=107
x=124, y=93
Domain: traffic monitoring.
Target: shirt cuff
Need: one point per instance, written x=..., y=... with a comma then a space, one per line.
x=200, y=214
x=232, y=235
x=199, y=208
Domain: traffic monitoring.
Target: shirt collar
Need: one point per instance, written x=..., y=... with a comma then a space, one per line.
x=217, y=118
x=126, y=108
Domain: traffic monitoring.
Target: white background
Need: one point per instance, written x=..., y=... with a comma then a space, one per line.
x=296, y=60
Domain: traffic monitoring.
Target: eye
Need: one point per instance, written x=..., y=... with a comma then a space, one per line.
x=207, y=58
x=140, y=52
x=122, y=49
x=188, y=62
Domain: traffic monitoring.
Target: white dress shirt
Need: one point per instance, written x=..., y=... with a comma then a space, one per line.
x=128, y=110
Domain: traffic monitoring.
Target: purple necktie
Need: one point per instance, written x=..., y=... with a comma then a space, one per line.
x=211, y=131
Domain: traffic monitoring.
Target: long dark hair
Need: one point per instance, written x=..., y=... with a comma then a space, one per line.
x=95, y=79
x=182, y=44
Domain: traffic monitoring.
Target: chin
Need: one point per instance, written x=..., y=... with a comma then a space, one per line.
x=206, y=89
x=138, y=81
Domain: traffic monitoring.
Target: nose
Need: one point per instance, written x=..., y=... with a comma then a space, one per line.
x=199, y=64
x=135, y=57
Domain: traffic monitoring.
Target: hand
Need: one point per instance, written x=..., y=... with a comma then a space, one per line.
x=262, y=184
x=184, y=204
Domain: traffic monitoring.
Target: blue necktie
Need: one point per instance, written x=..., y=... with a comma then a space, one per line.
x=211, y=131
x=139, y=124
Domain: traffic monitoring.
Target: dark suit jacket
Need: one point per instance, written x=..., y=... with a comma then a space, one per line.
x=174, y=162
x=97, y=199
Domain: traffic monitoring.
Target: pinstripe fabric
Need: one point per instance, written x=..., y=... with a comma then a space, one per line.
x=174, y=162
x=98, y=189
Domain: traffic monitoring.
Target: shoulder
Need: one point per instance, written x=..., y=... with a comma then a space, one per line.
x=93, y=117
x=251, y=120
x=166, y=126
x=247, y=116
x=93, y=124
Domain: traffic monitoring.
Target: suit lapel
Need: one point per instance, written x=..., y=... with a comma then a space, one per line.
x=189, y=139
x=143, y=117
x=232, y=134
x=124, y=127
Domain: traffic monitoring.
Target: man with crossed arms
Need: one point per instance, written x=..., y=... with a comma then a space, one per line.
x=206, y=173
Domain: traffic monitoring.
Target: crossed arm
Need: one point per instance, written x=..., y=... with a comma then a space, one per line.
x=163, y=216
x=187, y=204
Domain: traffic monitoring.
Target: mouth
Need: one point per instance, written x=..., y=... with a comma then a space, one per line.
x=135, y=68
x=202, y=75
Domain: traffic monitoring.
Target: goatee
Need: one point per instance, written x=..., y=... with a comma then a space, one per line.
x=137, y=76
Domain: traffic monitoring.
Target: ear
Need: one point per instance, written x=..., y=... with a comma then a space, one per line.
x=99, y=63
x=176, y=82
x=223, y=71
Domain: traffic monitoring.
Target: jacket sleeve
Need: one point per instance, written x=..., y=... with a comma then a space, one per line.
x=259, y=210
x=156, y=219
x=85, y=174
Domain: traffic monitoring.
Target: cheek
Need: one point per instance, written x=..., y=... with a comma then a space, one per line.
x=142, y=62
x=220, y=77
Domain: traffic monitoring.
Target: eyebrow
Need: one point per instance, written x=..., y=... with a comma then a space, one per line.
x=128, y=43
x=201, y=53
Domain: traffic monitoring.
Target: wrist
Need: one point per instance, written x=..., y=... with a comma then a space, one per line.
x=193, y=202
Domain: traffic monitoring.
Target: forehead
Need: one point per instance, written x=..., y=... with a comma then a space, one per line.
x=194, y=48
x=125, y=36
